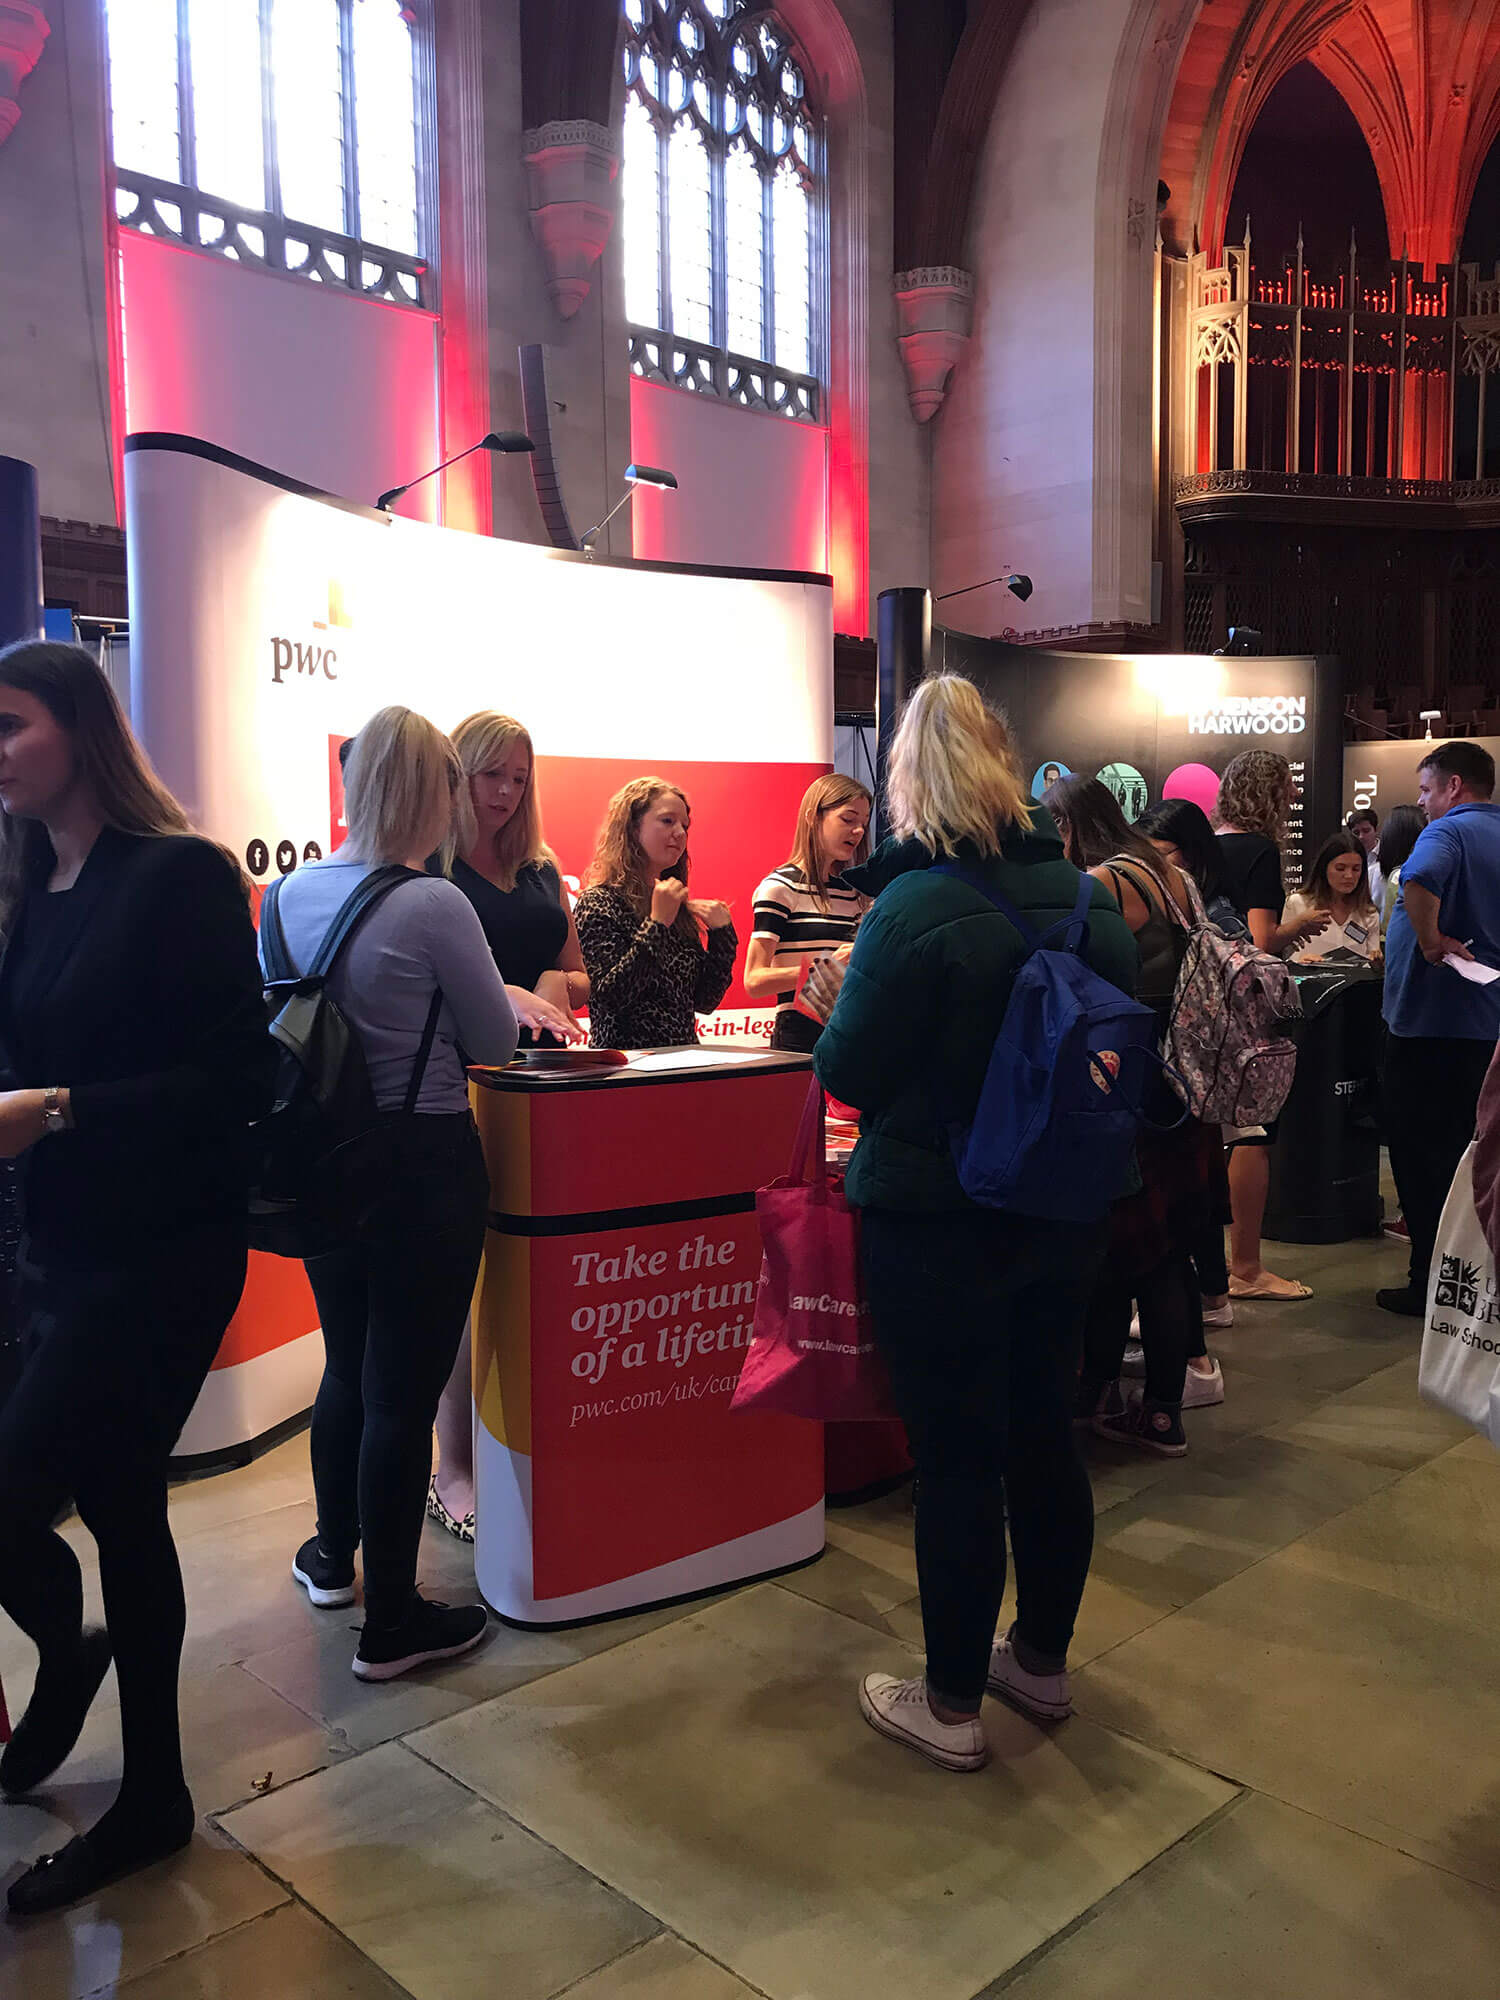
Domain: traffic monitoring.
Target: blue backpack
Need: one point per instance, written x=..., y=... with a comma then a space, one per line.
x=1056, y=1122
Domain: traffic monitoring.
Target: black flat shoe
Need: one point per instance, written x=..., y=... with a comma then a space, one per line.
x=84, y=1867
x=54, y=1718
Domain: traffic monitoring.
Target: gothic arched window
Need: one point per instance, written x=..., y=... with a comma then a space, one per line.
x=292, y=134
x=723, y=178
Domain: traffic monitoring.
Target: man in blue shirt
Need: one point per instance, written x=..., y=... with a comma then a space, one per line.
x=1443, y=1026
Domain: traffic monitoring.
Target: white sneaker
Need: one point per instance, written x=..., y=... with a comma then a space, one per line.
x=1199, y=1390
x=1221, y=1317
x=900, y=1710
x=1044, y=1697
x=1134, y=1363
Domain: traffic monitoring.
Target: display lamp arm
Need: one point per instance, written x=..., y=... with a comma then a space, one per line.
x=492, y=441
x=1018, y=586
x=635, y=475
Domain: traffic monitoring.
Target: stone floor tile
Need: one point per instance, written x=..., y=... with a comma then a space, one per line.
x=1431, y=1538
x=281, y=1477
x=1216, y=1516
x=313, y=1672
x=664, y=1969
x=1342, y=1701
x=287, y=1955
x=719, y=1773
x=1266, y=1901
x=236, y=1734
x=453, y=1899
x=1381, y=1420
x=202, y=1893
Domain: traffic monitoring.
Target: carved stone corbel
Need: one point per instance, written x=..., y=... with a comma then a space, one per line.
x=23, y=30
x=571, y=166
x=935, y=316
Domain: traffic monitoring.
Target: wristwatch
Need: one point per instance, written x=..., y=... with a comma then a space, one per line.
x=52, y=1111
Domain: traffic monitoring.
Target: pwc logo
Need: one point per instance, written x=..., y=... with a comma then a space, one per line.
x=292, y=656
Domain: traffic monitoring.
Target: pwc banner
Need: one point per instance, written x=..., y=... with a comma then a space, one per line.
x=268, y=622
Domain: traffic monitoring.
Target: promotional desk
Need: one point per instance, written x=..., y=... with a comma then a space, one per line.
x=613, y=1311
x=1325, y=1164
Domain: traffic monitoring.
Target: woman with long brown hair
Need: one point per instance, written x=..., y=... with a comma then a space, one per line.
x=1182, y=1194
x=803, y=910
x=136, y=1052
x=1337, y=889
x=655, y=956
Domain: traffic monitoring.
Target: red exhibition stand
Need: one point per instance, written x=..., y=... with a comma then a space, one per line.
x=613, y=1312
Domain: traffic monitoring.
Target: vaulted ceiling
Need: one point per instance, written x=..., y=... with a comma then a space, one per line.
x=1421, y=76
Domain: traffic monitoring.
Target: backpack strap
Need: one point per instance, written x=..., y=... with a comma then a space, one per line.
x=351, y=913
x=279, y=967
x=424, y=1050
x=1072, y=927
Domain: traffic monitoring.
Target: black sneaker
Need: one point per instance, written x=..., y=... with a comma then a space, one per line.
x=431, y=1631
x=328, y=1583
x=1149, y=1427
x=1401, y=1299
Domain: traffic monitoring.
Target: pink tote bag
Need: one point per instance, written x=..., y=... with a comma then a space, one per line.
x=812, y=1352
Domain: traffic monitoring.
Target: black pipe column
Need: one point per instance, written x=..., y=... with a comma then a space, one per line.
x=904, y=644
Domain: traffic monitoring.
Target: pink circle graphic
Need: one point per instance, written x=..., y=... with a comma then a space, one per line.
x=1196, y=782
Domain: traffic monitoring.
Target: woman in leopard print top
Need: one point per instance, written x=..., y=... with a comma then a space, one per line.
x=655, y=957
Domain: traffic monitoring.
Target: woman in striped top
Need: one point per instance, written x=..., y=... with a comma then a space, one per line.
x=802, y=910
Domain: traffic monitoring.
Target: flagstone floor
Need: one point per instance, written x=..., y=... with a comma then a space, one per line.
x=1282, y=1778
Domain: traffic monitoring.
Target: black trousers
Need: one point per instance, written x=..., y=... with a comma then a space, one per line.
x=393, y=1312
x=1430, y=1087
x=110, y=1366
x=978, y=1316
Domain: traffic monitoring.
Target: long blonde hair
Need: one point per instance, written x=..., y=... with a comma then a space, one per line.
x=481, y=740
x=824, y=795
x=1254, y=794
x=953, y=774
x=127, y=792
x=619, y=859
x=401, y=772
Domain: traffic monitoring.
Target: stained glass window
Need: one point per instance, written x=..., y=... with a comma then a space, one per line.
x=723, y=200
x=287, y=133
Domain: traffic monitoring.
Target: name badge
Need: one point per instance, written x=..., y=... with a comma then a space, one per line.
x=1357, y=934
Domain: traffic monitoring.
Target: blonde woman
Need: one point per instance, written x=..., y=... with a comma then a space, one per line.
x=1256, y=793
x=505, y=867
x=510, y=875
x=978, y=1313
x=418, y=983
x=136, y=1053
x=655, y=956
x=805, y=910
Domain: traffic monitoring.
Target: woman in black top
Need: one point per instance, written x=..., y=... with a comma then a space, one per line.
x=135, y=1042
x=510, y=875
x=1256, y=793
x=655, y=955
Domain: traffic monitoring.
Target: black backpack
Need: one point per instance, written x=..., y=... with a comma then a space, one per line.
x=325, y=1153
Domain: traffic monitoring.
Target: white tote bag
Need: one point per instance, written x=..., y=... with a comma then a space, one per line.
x=1460, y=1369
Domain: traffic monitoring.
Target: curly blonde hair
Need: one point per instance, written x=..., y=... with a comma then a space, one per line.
x=619, y=859
x=1254, y=794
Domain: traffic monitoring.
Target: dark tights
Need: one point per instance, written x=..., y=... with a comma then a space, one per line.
x=977, y=1315
x=111, y=1366
x=1171, y=1310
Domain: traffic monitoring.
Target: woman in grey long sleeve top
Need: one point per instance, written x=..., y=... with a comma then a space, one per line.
x=393, y=1306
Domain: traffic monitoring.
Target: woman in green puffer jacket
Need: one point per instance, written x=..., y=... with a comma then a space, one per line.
x=977, y=1313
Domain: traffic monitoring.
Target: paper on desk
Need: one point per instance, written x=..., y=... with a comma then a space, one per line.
x=1470, y=968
